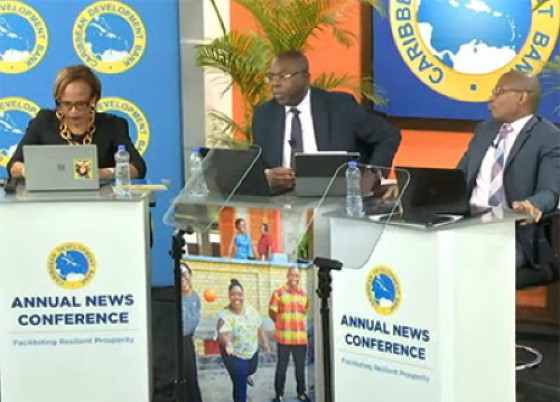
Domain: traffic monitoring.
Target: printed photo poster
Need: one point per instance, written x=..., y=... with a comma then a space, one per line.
x=248, y=309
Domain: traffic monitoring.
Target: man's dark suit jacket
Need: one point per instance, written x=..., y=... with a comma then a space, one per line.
x=340, y=124
x=532, y=170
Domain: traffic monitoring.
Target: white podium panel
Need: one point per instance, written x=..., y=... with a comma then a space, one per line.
x=74, y=301
x=430, y=317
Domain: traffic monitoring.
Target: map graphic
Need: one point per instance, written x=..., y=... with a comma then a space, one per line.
x=474, y=36
x=17, y=38
x=109, y=38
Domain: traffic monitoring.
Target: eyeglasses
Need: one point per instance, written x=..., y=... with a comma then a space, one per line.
x=80, y=105
x=499, y=90
x=281, y=76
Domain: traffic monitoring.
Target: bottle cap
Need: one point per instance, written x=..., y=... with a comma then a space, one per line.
x=352, y=164
x=122, y=148
x=197, y=149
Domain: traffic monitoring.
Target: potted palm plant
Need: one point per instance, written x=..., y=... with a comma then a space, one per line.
x=242, y=57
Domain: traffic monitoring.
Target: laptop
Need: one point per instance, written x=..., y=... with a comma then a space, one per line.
x=60, y=167
x=314, y=173
x=227, y=167
x=433, y=196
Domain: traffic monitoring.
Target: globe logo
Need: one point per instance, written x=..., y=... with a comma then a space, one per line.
x=109, y=36
x=23, y=37
x=460, y=48
x=71, y=265
x=383, y=290
x=15, y=114
x=140, y=133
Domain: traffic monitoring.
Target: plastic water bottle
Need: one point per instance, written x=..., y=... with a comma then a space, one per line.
x=122, y=171
x=354, y=201
x=197, y=184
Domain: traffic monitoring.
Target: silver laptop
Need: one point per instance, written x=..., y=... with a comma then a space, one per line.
x=60, y=167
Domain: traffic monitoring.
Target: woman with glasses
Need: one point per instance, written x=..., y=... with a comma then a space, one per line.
x=75, y=121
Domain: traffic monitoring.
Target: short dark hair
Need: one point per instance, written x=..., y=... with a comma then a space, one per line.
x=185, y=268
x=233, y=283
x=297, y=57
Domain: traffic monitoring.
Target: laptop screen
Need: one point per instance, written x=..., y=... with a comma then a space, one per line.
x=432, y=191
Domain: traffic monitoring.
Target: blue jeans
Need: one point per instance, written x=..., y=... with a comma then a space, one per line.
x=239, y=369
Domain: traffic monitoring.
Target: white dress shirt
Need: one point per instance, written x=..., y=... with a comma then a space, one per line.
x=308, y=131
x=481, y=191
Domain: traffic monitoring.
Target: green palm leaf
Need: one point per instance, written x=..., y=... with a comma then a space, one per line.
x=241, y=58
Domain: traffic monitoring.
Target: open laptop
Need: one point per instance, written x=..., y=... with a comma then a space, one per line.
x=314, y=172
x=60, y=167
x=225, y=168
x=432, y=196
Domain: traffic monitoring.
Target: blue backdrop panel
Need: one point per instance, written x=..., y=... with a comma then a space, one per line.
x=134, y=48
x=441, y=58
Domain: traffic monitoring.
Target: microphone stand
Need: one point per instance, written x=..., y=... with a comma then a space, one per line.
x=324, y=289
x=177, y=247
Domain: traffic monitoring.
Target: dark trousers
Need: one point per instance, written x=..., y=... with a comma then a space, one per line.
x=193, y=391
x=298, y=353
x=239, y=370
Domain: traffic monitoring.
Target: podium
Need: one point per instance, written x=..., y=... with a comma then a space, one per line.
x=429, y=314
x=74, y=302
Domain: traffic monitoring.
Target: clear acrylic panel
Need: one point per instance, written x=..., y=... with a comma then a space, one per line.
x=381, y=189
x=222, y=173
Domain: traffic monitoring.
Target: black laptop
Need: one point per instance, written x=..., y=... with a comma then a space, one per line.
x=431, y=196
x=314, y=173
x=225, y=168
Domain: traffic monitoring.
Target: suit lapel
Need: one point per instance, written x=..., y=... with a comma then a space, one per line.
x=520, y=140
x=276, y=138
x=320, y=117
x=479, y=152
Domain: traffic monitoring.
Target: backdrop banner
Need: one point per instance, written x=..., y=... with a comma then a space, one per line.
x=133, y=46
x=442, y=58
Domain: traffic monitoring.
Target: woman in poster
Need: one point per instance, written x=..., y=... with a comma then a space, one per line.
x=242, y=245
x=239, y=332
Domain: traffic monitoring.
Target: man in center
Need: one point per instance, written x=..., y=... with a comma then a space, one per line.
x=302, y=118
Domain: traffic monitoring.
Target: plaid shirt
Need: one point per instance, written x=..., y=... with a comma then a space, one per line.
x=291, y=315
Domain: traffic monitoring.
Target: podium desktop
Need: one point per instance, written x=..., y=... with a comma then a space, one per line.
x=74, y=297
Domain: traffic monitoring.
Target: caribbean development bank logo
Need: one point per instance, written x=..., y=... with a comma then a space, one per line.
x=109, y=36
x=71, y=265
x=126, y=108
x=383, y=290
x=15, y=114
x=460, y=48
x=24, y=37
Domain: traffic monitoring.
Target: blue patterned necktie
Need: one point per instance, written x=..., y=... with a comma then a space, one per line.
x=497, y=195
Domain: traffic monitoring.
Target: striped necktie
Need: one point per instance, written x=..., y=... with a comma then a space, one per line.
x=296, y=135
x=497, y=195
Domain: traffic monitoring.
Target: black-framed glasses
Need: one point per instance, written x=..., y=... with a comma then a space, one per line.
x=79, y=106
x=281, y=76
x=500, y=90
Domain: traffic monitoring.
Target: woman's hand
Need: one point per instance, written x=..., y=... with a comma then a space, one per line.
x=266, y=348
x=229, y=349
x=106, y=173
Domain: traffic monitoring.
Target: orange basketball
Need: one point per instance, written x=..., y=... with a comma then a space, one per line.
x=210, y=295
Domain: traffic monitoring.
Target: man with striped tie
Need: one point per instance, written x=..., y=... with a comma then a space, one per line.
x=513, y=160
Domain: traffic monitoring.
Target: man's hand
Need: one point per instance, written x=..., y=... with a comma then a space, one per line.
x=280, y=177
x=525, y=207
